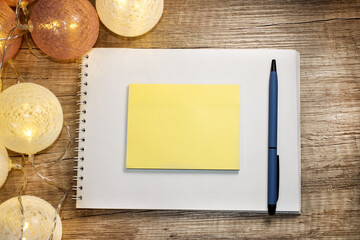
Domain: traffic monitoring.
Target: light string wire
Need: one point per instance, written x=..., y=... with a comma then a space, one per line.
x=20, y=193
x=31, y=48
x=5, y=50
x=20, y=167
x=15, y=71
x=12, y=37
x=31, y=158
x=27, y=38
x=63, y=155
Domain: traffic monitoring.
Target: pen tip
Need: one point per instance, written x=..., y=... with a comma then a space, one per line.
x=271, y=209
x=273, y=65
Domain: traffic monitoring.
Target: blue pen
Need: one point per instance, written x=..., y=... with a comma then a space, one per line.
x=273, y=158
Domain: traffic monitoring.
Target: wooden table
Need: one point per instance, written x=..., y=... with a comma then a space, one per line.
x=326, y=33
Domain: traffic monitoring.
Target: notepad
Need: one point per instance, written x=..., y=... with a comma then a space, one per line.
x=183, y=126
x=107, y=74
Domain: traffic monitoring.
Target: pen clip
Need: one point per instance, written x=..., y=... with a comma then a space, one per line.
x=278, y=176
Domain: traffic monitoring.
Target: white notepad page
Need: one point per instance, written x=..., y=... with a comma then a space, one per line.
x=108, y=184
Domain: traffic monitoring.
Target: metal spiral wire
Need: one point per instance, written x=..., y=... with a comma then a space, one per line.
x=79, y=159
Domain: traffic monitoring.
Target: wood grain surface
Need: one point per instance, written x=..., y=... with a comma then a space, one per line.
x=325, y=32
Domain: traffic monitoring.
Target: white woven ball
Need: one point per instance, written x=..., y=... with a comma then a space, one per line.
x=130, y=18
x=39, y=216
x=31, y=118
x=4, y=165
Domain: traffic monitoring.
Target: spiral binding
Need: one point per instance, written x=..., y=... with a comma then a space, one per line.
x=79, y=159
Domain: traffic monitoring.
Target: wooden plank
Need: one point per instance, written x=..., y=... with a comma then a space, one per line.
x=325, y=32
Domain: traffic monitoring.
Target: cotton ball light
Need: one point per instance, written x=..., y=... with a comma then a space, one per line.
x=39, y=217
x=13, y=3
x=5, y=165
x=65, y=29
x=130, y=18
x=31, y=118
x=7, y=22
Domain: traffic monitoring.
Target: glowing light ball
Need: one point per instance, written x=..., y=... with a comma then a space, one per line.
x=31, y=118
x=13, y=3
x=39, y=216
x=5, y=165
x=7, y=22
x=130, y=18
x=65, y=29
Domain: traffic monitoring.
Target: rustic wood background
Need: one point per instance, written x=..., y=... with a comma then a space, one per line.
x=325, y=32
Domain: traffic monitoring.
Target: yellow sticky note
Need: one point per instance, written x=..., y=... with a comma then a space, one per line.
x=183, y=126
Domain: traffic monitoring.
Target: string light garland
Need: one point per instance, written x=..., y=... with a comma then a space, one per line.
x=35, y=108
x=31, y=117
x=130, y=18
